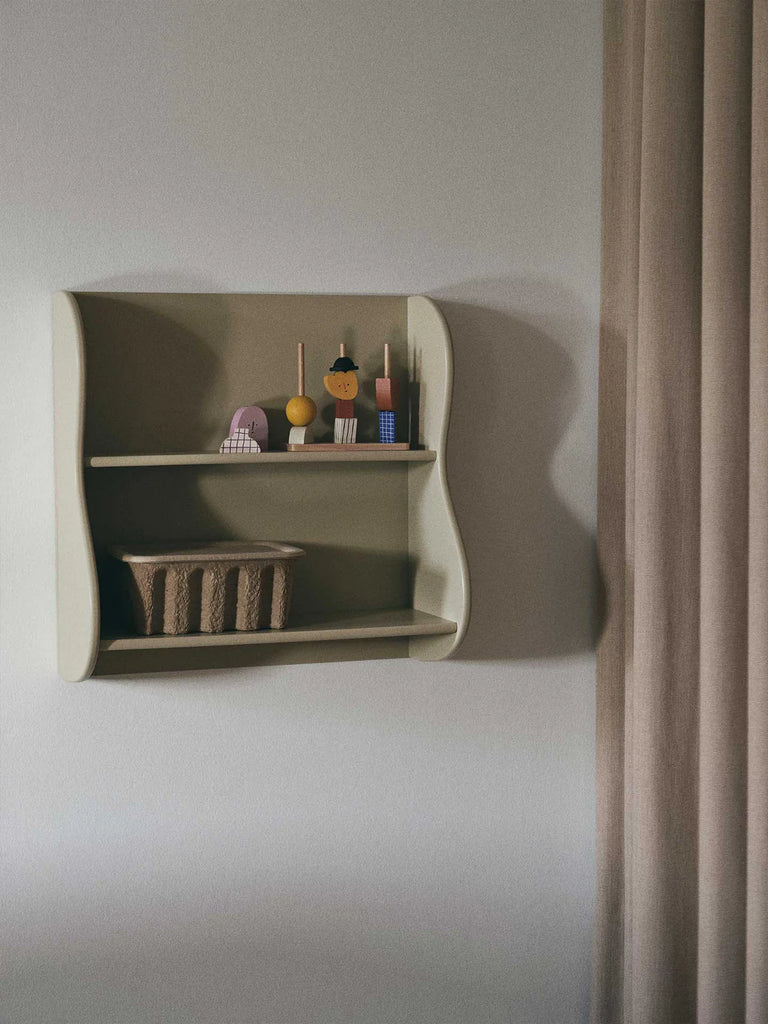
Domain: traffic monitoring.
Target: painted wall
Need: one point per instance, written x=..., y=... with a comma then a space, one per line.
x=370, y=843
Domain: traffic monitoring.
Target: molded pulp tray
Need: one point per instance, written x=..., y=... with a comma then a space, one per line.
x=209, y=587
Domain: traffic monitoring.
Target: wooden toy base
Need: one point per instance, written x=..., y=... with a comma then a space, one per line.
x=362, y=447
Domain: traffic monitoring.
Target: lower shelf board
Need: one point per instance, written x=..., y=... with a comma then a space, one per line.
x=343, y=626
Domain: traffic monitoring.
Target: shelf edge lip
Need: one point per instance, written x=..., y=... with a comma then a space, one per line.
x=270, y=458
x=292, y=634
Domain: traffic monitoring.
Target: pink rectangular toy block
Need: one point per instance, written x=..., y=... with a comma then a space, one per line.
x=387, y=394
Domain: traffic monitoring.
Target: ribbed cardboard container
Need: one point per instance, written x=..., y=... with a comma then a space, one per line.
x=210, y=588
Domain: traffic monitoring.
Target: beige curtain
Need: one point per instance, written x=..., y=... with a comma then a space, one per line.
x=682, y=912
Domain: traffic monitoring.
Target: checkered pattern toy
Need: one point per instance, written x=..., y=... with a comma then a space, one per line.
x=239, y=440
x=386, y=427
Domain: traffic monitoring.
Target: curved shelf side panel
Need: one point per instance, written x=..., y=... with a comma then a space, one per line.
x=77, y=592
x=440, y=581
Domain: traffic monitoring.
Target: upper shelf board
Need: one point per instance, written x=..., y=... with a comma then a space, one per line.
x=215, y=459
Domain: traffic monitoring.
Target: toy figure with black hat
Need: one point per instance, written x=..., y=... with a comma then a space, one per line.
x=341, y=384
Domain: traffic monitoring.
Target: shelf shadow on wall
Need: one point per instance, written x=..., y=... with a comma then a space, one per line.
x=536, y=590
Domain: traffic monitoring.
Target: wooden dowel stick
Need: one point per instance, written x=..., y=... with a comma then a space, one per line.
x=342, y=349
x=387, y=351
x=301, y=368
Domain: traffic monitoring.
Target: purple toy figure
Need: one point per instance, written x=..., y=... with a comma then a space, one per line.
x=248, y=431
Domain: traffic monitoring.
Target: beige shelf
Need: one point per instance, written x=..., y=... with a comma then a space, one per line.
x=349, y=626
x=150, y=379
x=265, y=458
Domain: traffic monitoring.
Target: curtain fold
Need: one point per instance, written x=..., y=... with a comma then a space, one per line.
x=682, y=730
x=724, y=511
x=757, y=689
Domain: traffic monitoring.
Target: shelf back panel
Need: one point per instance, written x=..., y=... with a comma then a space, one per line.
x=350, y=518
x=166, y=371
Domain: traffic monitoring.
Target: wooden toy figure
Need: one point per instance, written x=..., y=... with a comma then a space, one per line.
x=387, y=400
x=341, y=383
x=301, y=410
x=248, y=432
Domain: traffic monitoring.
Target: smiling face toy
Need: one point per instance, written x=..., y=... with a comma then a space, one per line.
x=341, y=382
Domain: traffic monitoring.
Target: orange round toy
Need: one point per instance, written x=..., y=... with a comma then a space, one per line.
x=301, y=410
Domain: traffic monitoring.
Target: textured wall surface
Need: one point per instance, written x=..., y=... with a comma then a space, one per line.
x=370, y=843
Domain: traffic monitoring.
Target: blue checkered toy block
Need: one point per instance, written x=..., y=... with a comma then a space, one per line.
x=386, y=427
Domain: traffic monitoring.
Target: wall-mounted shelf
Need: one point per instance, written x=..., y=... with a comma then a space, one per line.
x=263, y=458
x=145, y=382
